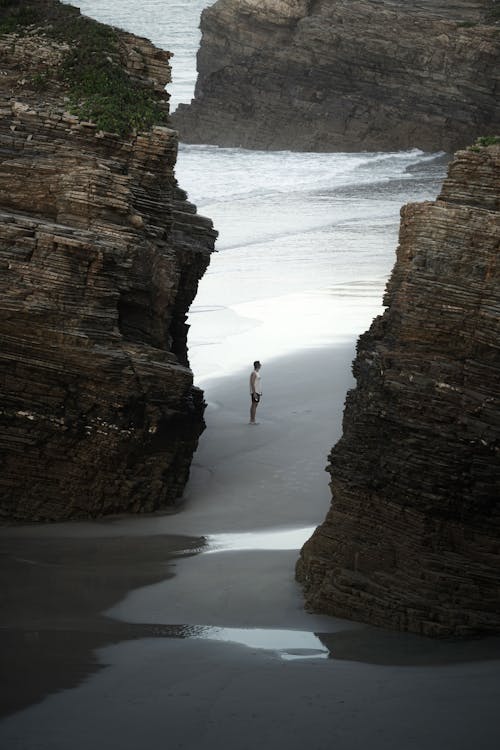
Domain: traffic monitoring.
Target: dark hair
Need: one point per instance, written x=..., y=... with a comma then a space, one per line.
x=256, y=363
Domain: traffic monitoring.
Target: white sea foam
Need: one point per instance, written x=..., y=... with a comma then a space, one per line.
x=241, y=173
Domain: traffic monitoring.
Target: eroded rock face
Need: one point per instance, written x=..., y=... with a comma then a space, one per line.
x=328, y=75
x=100, y=258
x=412, y=539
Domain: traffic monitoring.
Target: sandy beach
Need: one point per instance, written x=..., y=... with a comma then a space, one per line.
x=186, y=629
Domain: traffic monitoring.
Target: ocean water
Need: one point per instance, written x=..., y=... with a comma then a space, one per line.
x=306, y=241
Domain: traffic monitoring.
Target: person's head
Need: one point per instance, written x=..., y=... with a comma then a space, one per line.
x=256, y=365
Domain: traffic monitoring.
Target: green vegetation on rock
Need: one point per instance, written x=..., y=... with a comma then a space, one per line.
x=484, y=141
x=99, y=89
x=489, y=140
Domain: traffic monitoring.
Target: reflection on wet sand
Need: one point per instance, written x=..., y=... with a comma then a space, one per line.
x=53, y=591
x=274, y=539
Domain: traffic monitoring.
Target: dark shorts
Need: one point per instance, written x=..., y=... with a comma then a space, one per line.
x=255, y=398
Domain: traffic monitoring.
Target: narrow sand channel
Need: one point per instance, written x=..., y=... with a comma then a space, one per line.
x=187, y=630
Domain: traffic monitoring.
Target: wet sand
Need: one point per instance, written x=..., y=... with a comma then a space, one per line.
x=186, y=629
x=54, y=590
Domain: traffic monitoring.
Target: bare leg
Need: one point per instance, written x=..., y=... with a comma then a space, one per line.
x=253, y=411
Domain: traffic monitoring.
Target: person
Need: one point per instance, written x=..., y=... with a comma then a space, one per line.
x=255, y=390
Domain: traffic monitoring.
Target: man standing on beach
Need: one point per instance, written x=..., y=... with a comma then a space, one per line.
x=255, y=390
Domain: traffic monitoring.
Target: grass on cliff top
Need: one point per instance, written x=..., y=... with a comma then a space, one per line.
x=485, y=141
x=99, y=89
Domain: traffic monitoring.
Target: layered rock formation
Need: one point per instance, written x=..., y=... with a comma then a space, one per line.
x=338, y=75
x=100, y=257
x=412, y=539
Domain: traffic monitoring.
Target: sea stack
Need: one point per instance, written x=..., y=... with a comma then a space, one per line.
x=100, y=257
x=412, y=539
x=338, y=75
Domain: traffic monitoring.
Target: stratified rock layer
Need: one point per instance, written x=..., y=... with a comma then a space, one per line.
x=335, y=75
x=412, y=539
x=100, y=257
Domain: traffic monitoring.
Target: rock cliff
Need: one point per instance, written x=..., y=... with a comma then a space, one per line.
x=412, y=539
x=344, y=75
x=100, y=257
